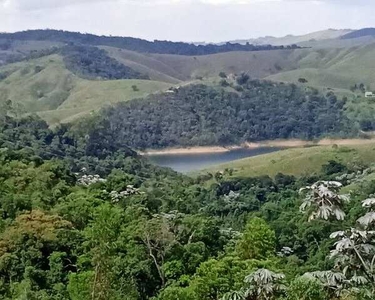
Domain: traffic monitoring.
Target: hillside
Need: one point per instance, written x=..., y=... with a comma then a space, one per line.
x=299, y=161
x=334, y=68
x=339, y=67
x=331, y=67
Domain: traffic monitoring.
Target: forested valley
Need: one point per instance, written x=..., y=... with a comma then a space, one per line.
x=84, y=217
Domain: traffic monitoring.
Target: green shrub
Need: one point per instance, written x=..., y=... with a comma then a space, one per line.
x=306, y=289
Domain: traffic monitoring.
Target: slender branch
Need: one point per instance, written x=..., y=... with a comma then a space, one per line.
x=147, y=242
x=95, y=279
x=191, y=237
x=366, y=268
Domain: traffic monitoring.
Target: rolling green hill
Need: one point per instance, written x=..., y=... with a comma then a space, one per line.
x=334, y=68
x=299, y=161
x=46, y=87
x=338, y=68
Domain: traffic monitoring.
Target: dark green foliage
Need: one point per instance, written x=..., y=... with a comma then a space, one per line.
x=224, y=83
x=258, y=240
x=201, y=115
x=94, y=63
x=333, y=167
x=306, y=289
x=243, y=79
x=223, y=75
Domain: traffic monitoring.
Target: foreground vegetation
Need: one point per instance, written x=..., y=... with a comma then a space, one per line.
x=83, y=217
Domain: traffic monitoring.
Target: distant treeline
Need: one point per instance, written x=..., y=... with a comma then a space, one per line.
x=135, y=44
x=201, y=115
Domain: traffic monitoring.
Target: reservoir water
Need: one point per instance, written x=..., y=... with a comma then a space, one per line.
x=185, y=163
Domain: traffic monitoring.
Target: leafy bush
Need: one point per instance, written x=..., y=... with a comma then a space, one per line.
x=306, y=289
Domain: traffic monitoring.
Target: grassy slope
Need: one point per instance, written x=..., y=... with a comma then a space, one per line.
x=145, y=64
x=179, y=67
x=335, y=68
x=60, y=96
x=332, y=67
x=298, y=161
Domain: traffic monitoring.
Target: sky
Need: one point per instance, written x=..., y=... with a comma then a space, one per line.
x=187, y=20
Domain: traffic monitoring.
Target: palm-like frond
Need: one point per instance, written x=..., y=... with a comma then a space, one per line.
x=368, y=202
x=264, y=284
x=367, y=219
x=236, y=295
x=323, y=198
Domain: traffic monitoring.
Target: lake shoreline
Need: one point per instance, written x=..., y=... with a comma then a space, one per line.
x=294, y=143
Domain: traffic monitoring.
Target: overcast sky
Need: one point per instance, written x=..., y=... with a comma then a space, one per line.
x=187, y=20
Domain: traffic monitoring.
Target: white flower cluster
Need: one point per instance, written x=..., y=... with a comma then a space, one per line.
x=285, y=251
x=130, y=190
x=87, y=180
x=232, y=196
x=230, y=233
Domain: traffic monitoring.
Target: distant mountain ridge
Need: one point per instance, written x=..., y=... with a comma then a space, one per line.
x=359, y=33
x=296, y=39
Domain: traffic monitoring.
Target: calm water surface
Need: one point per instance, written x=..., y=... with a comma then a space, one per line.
x=185, y=163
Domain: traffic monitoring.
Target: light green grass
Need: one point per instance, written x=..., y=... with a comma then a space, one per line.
x=58, y=95
x=38, y=91
x=298, y=161
x=334, y=68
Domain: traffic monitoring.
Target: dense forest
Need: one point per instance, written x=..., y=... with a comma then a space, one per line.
x=201, y=115
x=134, y=44
x=83, y=217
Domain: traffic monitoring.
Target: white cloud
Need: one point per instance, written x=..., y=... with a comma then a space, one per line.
x=25, y=5
x=187, y=20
